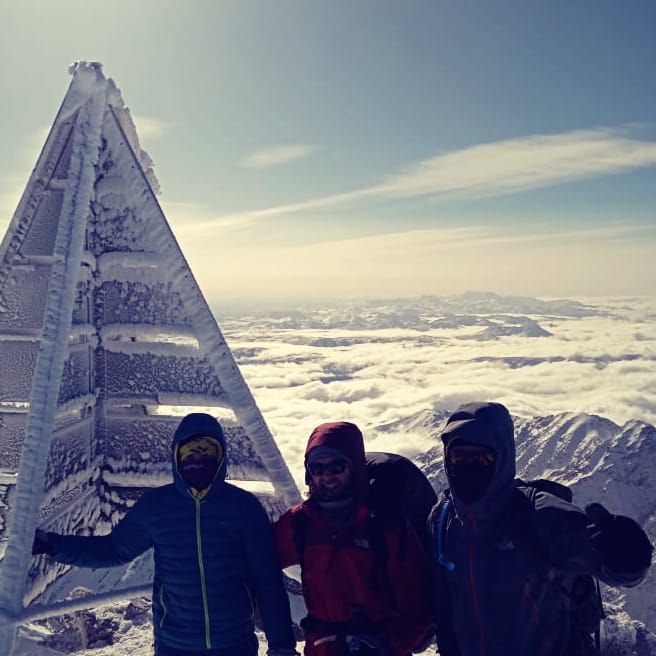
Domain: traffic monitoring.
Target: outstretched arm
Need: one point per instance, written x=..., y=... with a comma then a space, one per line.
x=129, y=538
x=613, y=547
x=624, y=549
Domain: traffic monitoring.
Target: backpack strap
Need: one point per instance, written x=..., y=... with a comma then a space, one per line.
x=300, y=529
x=444, y=510
x=376, y=531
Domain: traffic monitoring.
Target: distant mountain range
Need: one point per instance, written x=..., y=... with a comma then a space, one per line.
x=485, y=309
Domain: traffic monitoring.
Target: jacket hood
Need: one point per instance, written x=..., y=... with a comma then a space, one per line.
x=346, y=438
x=488, y=424
x=197, y=424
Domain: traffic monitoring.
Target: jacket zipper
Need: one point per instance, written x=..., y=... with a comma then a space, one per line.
x=472, y=583
x=208, y=643
x=161, y=601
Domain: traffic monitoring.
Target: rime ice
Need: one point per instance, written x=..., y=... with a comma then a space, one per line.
x=105, y=341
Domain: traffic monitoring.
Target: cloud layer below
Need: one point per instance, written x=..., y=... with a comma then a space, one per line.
x=599, y=361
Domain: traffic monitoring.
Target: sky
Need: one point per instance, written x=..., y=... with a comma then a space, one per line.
x=313, y=150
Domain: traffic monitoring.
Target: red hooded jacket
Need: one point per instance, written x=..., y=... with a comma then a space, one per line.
x=341, y=569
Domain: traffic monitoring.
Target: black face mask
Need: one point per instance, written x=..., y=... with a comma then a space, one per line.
x=198, y=472
x=469, y=481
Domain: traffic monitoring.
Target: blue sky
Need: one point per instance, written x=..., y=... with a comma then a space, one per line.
x=342, y=148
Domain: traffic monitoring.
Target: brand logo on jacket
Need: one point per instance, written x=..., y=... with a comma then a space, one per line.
x=506, y=546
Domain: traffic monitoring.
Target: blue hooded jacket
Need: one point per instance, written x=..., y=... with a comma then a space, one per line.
x=214, y=556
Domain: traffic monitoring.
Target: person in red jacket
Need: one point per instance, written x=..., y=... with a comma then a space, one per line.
x=365, y=575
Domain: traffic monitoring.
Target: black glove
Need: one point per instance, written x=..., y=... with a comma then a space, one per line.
x=42, y=543
x=624, y=548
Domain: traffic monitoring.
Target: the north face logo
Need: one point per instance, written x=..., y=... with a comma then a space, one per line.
x=508, y=545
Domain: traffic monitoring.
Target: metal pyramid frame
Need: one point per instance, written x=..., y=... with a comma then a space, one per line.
x=105, y=342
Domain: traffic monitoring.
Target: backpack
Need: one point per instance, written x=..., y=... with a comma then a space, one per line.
x=582, y=591
x=398, y=489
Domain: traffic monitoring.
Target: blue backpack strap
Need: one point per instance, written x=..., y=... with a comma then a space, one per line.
x=442, y=560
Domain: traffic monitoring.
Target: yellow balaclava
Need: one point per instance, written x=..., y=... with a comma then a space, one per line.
x=198, y=460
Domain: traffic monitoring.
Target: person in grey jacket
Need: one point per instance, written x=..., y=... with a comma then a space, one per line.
x=214, y=554
x=504, y=549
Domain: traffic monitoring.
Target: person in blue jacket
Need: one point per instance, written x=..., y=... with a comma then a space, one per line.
x=213, y=549
x=504, y=549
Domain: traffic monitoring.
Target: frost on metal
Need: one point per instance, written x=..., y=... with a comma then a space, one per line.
x=105, y=342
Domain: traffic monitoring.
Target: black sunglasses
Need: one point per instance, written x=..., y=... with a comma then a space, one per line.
x=483, y=457
x=331, y=468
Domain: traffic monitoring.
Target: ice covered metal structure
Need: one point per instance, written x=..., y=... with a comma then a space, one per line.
x=105, y=341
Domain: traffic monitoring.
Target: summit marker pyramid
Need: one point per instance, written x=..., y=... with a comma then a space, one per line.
x=105, y=342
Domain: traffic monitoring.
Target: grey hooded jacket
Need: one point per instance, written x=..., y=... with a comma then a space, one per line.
x=495, y=598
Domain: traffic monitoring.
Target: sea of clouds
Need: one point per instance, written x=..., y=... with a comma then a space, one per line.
x=381, y=363
x=397, y=367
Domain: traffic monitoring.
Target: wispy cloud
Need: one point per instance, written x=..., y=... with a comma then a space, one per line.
x=149, y=127
x=524, y=163
x=277, y=155
x=412, y=246
x=604, y=259
x=502, y=167
x=439, y=260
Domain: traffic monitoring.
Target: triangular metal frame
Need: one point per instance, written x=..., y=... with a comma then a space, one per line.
x=108, y=339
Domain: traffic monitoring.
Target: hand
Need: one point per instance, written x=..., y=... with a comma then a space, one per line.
x=42, y=543
x=366, y=643
x=623, y=546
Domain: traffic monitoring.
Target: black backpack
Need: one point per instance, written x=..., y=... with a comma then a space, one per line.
x=581, y=590
x=397, y=489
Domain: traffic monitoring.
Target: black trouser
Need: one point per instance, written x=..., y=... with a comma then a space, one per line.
x=248, y=647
